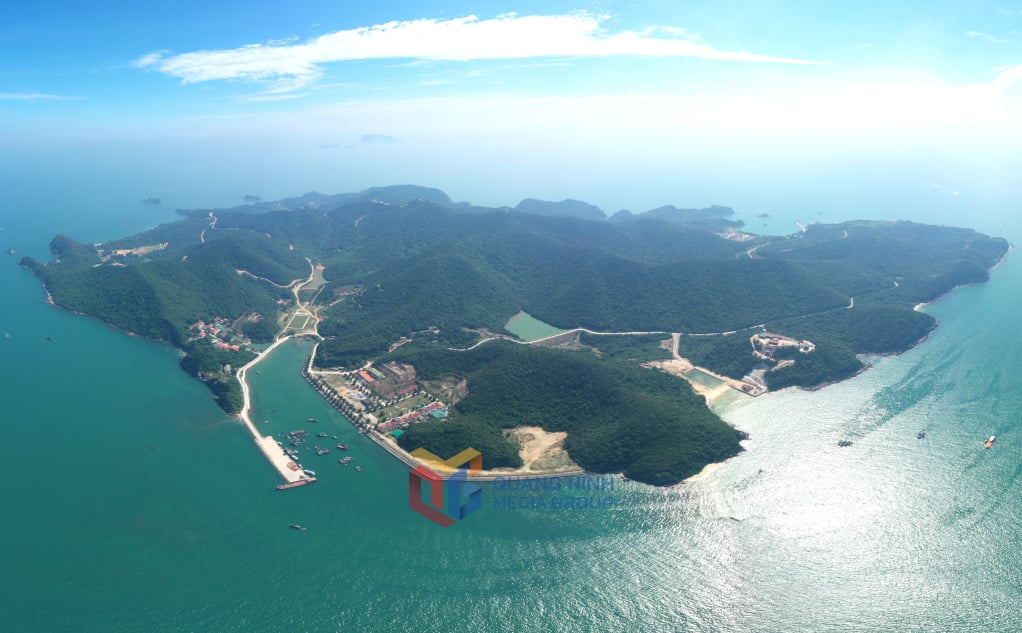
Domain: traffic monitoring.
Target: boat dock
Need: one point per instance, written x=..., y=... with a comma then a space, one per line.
x=290, y=470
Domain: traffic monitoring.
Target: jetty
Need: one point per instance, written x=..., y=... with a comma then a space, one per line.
x=289, y=469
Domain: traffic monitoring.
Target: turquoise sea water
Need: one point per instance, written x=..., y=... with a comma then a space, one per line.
x=132, y=503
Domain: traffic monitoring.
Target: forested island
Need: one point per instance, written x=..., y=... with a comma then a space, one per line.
x=405, y=274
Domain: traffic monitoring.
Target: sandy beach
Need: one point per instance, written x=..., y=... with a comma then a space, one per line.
x=705, y=472
x=542, y=452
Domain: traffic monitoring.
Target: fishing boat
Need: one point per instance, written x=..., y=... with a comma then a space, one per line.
x=990, y=441
x=295, y=526
x=342, y=446
x=920, y=435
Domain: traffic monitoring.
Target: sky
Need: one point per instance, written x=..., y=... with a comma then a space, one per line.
x=621, y=103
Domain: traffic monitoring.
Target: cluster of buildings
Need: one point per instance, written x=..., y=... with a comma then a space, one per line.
x=765, y=344
x=436, y=410
x=390, y=381
x=736, y=236
x=215, y=330
x=367, y=391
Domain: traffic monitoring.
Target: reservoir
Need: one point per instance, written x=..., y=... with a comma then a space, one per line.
x=529, y=328
x=704, y=379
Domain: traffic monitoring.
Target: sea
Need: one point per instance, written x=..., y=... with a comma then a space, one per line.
x=132, y=503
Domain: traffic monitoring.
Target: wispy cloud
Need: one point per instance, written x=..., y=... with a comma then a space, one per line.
x=379, y=138
x=35, y=96
x=270, y=97
x=290, y=65
x=986, y=37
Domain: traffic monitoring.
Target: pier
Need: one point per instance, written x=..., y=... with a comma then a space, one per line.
x=290, y=470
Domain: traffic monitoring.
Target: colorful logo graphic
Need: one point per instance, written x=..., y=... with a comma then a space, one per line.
x=451, y=497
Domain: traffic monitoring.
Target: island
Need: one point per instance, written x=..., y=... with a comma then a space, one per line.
x=547, y=336
x=153, y=201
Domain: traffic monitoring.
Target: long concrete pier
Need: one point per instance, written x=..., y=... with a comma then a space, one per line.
x=290, y=470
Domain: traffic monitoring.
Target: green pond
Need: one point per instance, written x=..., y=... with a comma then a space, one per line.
x=529, y=328
x=704, y=379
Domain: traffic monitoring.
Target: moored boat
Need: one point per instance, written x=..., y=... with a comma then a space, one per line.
x=990, y=441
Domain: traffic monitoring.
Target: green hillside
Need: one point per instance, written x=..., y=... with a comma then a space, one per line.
x=408, y=262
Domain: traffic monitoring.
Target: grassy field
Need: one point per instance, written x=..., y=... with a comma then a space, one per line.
x=404, y=406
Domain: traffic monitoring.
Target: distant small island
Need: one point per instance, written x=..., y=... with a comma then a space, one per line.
x=250, y=198
x=10, y=251
x=155, y=201
x=409, y=295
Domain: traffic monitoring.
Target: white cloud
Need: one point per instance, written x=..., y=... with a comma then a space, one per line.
x=291, y=65
x=1008, y=81
x=35, y=96
x=856, y=112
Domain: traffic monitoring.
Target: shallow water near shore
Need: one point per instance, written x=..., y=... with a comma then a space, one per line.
x=133, y=503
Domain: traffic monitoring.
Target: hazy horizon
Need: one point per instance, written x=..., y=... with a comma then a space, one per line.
x=852, y=112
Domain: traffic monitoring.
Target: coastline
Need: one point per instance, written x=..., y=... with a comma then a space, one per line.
x=290, y=470
x=388, y=444
x=920, y=306
x=483, y=475
x=703, y=474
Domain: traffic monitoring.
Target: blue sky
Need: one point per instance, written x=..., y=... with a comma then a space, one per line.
x=607, y=87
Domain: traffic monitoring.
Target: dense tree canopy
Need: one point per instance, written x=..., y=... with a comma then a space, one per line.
x=408, y=262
